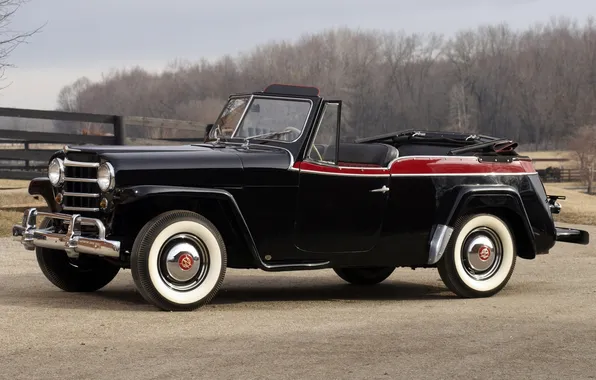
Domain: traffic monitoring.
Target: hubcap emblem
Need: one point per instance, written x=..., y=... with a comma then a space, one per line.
x=484, y=253
x=185, y=261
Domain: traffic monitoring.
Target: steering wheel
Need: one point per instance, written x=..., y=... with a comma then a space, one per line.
x=292, y=129
x=298, y=132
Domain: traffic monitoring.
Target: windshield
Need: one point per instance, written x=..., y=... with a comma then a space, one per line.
x=285, y=118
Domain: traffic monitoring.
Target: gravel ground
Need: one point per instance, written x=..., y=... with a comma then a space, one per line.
x=306, y=325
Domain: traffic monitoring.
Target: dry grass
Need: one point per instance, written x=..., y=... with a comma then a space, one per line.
x=13, y=184
x=12, y=199
x=7, y=220
x=578, y=208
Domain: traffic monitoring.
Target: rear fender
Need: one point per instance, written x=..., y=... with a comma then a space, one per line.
x=500, y=200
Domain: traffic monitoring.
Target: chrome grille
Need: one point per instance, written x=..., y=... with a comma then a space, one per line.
x=81, y=191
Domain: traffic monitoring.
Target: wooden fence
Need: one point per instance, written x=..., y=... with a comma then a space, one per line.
x=25, y=154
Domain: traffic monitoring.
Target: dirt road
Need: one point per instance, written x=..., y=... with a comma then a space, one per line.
x=306, y=325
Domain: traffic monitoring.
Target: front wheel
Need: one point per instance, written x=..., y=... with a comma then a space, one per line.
x=178, y=261
x=364, y=276
x=480, y=257
x=85, y=274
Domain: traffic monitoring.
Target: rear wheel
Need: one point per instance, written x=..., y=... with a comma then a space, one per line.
x=178, y=261
x=480, y=257
x=85, y=274
x=364, y=276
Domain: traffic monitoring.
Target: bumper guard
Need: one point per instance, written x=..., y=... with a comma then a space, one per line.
x=571, y=235
x=72, y=242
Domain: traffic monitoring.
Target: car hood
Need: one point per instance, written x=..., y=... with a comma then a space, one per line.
x=191, y=165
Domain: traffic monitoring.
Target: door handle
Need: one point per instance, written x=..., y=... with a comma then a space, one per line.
x=383, y=189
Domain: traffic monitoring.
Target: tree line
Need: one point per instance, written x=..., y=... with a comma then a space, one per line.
x=537, y=86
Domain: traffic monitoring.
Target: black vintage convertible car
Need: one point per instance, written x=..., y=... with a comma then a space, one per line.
x=274, y=186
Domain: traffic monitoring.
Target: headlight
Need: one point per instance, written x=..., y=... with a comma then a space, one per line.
x=56, y=172
x=105, y=177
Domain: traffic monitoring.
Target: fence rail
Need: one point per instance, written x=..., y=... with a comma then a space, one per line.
x=19, y=160
x=560, y=175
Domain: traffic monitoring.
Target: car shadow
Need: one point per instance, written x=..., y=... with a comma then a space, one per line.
x=391, y=291
x=122, y=295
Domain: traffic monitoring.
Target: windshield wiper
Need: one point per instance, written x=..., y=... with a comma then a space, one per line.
x=245, y=144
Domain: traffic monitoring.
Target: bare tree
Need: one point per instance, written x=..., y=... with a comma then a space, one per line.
x=10, y=39
x=583, y=144
x=536, y=85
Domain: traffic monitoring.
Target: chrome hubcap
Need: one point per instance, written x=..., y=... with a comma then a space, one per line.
x=183, y=262
x=482, y=253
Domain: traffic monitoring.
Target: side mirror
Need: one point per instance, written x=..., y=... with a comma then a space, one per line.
x=208, y=130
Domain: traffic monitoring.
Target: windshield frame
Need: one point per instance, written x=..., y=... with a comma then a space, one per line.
x=223, y=109
x=285, y=98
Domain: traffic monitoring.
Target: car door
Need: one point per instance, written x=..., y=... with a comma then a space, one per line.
x=340, y=209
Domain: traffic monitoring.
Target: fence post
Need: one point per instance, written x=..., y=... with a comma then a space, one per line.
x=26, y=146
x=119, y=130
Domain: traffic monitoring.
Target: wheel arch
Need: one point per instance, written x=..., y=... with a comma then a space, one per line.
x=502, y=201
x=217, y=205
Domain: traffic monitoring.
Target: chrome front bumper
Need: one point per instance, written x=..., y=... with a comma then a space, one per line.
x=72, y=242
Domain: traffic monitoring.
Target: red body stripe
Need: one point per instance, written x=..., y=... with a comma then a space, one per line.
x=457, y=166
x=424, y=165
x=310, y=166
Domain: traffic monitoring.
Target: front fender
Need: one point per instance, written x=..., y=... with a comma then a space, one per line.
x=133, y=194
x=42, y=186
x=504, y=201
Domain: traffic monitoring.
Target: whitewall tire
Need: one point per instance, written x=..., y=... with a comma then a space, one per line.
x=178, y=261
x=480, y=257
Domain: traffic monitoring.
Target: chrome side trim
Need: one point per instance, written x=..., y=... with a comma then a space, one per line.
x=82, y=195
x=383, y=190
x=78, y=164
x=85, y=180
x=67, y=149
x=438, y=243
x=71, y=208
x=72, y=241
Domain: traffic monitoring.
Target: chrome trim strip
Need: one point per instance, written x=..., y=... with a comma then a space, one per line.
x=67, y=149
x=250, y=98
x=70, y=208
x=85, y=180
x=79, y=164
x=457, y=174
x=383, y=190
x=438, y=244
x=82, y=195
x=72, y=242
x=345, y=174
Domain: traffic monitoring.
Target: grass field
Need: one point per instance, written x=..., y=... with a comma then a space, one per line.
x=14, y=193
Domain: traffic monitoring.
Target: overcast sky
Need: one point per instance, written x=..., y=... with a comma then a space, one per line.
x=88, y=37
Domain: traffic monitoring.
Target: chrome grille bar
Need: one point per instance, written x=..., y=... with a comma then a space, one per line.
x=82, y=195
x=70, y=208
x=78, y=164
x=85, y=180
x=81, y=192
